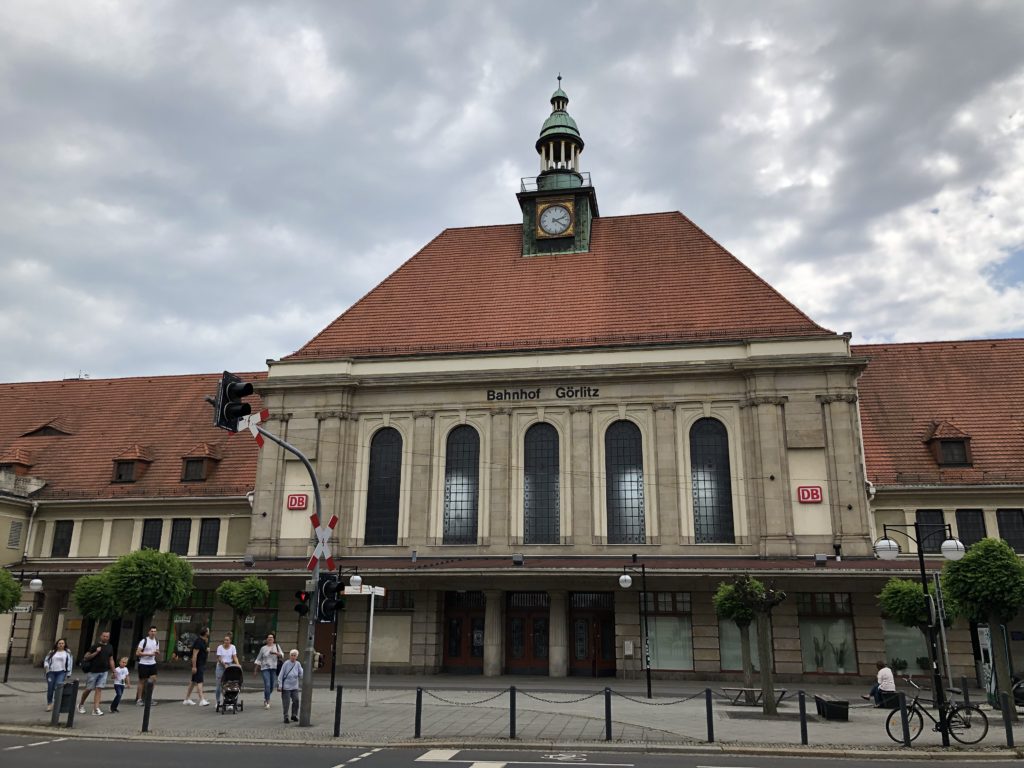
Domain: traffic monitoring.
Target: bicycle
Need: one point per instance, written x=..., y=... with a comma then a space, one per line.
x=966, y=722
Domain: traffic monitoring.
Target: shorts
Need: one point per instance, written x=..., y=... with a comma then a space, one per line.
x=95, y=680
x=146, y=670
x=197, y=676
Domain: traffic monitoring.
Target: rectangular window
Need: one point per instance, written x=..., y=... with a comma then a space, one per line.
x=395, y=600
x=668, y=602
x=62, y=531
x=931, y=528
x=671, y=642
x=14, y=535
x=1011, y=527
x=124, y=471
x=970, y=526
x=152, y=530
x=209, y=536
x=729, y=647
x=953, y=453
x=824, y=604
x=181, y=530
x=903, y=647
x=195, y=469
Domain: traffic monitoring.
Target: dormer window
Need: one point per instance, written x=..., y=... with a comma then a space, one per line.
x=953, y=453
x=124, y=471
x=198, y=464
x=194, y=469
x=131, y=464
x=950, y=445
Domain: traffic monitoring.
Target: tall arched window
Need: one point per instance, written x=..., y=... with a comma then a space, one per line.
x=461, y=485
x=624, y=470
x=712, y=483
x=383, y=488
x=540, y=485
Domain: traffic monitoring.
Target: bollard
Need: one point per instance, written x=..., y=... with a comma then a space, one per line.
x=903, y=719
x=419, y=711
x=147, y=697
x=963, y=687
x=512, y=712
x=803, y=717
x=337, y=712
x=607, y=714
x=1007, y=718
x=74, y=703
x=58, y=702
x=710, y=715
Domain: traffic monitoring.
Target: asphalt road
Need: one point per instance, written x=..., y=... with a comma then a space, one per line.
x=35, y=751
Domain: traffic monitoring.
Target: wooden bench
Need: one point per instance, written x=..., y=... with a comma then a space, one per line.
x=739, y=696
x=832, y=707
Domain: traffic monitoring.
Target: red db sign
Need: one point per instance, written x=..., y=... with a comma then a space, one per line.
x=808, y=494
x=297, y=500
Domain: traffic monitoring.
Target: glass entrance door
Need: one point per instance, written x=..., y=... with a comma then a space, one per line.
x=592, y=634
x=526, y=630
x=464, y=632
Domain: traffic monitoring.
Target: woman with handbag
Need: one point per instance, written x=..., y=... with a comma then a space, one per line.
x=268, y=661
x=58, y=663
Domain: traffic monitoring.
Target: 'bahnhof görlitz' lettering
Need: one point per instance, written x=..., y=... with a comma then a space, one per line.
x=560, y=393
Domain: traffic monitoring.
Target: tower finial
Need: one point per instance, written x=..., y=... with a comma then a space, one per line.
x=559, y=79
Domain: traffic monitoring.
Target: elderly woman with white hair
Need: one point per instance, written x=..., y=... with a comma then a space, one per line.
x=289, y=678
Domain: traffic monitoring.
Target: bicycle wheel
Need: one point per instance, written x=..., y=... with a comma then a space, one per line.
x=894, y=726
x=967, y=723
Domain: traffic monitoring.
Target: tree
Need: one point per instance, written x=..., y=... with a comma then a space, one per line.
x=96, y=597
x=10, y=591
x=902, y=600
x=729, y=607
x=988, y=586
x=761, y=600
x=148, y=581
x=244, y=595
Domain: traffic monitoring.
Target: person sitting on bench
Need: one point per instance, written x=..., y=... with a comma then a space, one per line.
x=884, y=683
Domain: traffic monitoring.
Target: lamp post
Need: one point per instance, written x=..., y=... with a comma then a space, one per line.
x=355, y=587
x=626, y=581
x=952, y=549
x=36, y=585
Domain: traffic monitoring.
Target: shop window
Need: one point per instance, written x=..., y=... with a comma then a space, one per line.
x=729, y=649
x=62, y=531
x=152, y=532
x=826, y=632
x=624, y=480
x=970, y=526
x=541, y=485
x=383, y=488
x=904, y=646
x=461, y=486
x=181, y=531
x=711, y=483
x=1011, y=527
x=671, y=628
x=931, y=525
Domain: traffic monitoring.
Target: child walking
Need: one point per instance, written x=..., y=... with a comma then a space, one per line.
x=120, y=681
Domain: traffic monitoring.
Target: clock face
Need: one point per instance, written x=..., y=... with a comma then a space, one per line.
x=555, y=219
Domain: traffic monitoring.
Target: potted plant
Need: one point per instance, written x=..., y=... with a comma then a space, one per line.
x=839, y=651
x=924, y=663
x=897, y=665
x=819, y=653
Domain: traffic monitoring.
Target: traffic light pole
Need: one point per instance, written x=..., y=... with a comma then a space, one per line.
x=306, y=704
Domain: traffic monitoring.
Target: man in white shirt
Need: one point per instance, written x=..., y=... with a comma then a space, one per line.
x=884, y=683
x=147, y=653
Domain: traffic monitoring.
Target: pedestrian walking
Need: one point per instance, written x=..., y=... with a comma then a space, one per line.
x=120, y=681
x=288, y=682
x=268, y=660
x=200, y=651
x=101, y=662
x=227, y=655
x=147, y=652
x=58, y=663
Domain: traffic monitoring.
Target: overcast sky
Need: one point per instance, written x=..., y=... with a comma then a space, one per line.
x=193, y=186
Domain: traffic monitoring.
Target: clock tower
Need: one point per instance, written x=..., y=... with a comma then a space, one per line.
x=559, y=204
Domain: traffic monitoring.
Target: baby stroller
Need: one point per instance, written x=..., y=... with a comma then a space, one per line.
x=231, y=690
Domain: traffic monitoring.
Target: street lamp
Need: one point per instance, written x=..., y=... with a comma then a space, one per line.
x=355, y=587
x=952, y=549
x=36, y=585
x=626, y=581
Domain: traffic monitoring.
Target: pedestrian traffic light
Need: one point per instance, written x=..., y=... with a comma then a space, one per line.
x=327, y=598
x=302, y=602
x=228, y=407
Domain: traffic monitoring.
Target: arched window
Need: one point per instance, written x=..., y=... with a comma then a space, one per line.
x=540, y=485
x=712, y=483
x=624, y=470
x=383, y=488
x=461, y=485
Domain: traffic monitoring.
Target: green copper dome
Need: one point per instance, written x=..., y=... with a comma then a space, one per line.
x=559, y=123
x=559, y=94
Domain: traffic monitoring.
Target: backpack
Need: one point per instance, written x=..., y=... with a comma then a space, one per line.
x=85, y=664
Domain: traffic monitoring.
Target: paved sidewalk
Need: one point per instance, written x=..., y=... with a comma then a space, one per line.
x=475, y=710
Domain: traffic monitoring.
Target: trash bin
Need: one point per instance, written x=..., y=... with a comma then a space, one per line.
x=67, y=697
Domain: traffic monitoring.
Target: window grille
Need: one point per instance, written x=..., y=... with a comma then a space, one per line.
x=931, y=525
x=181, y=531
x=209, y=536
x=711, y=483
x=152, y=531
x=195, y=469
x=970, y=526
x=592, y=601
x=624, y=473
x=1011, y=527
x=668, y=602
x=541, y=485
x=824, y=604
x=383, y=488
x=461, y=486
x=14, y=535
x=465, y=600
x=528, y=600
x=62, y=531
x=953, y=453
x=124, y=471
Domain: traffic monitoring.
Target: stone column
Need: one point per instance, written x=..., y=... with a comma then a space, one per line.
x=419, y=498
x=500, y=499
x=494, y=633
x=851, y=523
x=667, y=465
x=769, y=492
x=46, y=635
x=581, y=501
x=558, y=646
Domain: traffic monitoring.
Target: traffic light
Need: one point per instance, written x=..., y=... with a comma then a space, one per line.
x=302, y=602
x=328, y=601
x=228, y=407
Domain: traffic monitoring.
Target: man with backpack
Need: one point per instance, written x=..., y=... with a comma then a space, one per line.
x=96, y=663
x=147, y=652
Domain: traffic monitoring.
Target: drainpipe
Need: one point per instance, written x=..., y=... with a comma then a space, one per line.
x=28, y=535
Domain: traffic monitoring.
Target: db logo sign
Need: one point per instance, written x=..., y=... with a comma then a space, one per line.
x=297, y=500
x=808, y=494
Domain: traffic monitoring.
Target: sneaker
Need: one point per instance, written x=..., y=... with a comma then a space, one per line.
x=285, y=721
x=266, y=705
x=153, y=703
x=865, y=697
x=97, y=711
x=188, y=703
x=49, y=707
x=295, y=719
x=204, y=703
x=114, y=711
x=81, y=710
x=140, y=702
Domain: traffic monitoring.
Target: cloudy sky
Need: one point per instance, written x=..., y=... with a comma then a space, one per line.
x=194, y=186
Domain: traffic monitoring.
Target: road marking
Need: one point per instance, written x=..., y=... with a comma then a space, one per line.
x=439, y=755
x=8, y=749
x=37, y=744
x=446, y=755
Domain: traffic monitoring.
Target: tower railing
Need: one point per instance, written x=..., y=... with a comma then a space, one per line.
x=568, y=179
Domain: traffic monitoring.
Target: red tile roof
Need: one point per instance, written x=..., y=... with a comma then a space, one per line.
x=158, y=419
x=647, y=279
x=909, y=390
